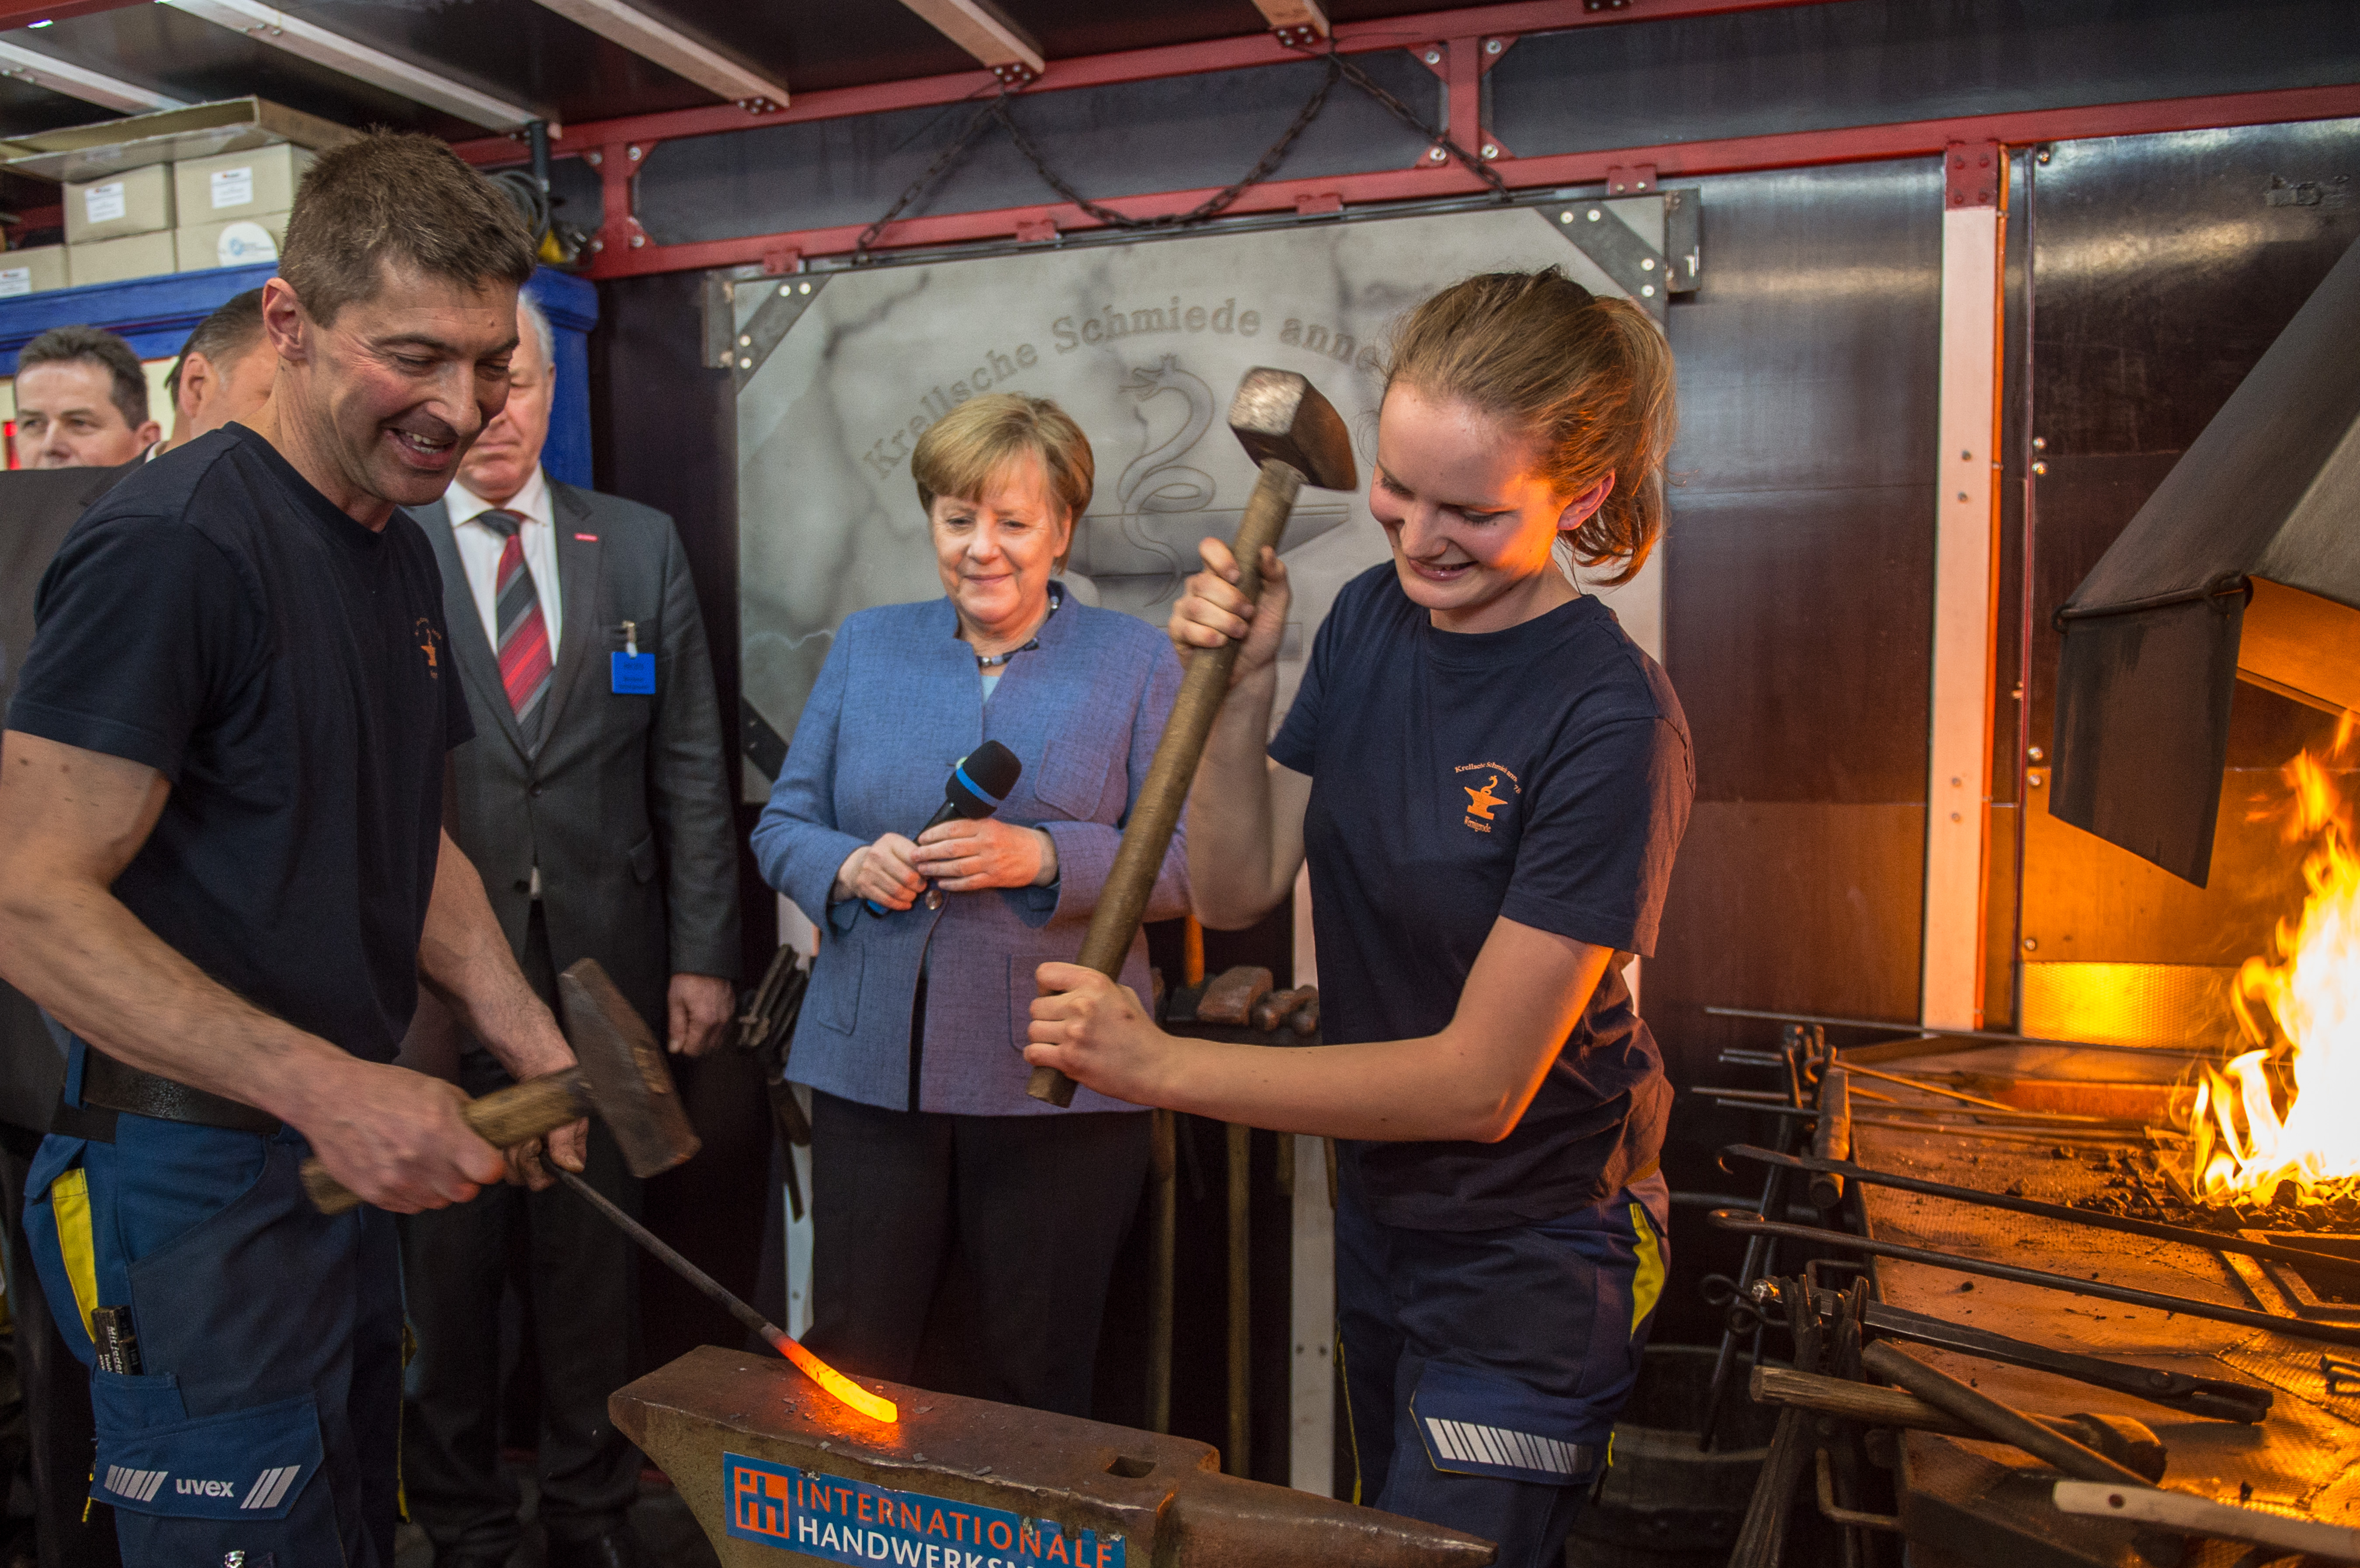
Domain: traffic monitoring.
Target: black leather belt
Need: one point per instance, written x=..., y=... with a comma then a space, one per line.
x=117, y=1087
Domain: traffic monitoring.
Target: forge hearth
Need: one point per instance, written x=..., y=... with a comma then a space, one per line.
x=1968, y=1502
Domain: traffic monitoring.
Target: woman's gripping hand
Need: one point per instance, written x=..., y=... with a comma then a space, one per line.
x=967, y=856
x=880, y=873
x=1096, y=1032
x=1214, y=611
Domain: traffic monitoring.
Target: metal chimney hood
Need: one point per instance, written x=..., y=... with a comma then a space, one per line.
x=2243, y=565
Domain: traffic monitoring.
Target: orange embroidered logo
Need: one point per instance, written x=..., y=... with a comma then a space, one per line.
x=429, y=643
x=1484, y=801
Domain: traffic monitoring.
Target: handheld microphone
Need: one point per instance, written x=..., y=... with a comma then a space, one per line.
x=979, y=781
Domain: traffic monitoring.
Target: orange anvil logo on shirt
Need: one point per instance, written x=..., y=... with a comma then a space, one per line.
x=1484, y=801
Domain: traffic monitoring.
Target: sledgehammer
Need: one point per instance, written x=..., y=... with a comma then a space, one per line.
x=621, y=1079
x=1298, y=439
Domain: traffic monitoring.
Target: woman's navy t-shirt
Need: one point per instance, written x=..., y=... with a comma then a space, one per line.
x=285, y=669
x=1541, y=773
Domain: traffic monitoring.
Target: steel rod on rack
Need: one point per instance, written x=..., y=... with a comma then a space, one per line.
x=1748, y=1223
x=2154, y=1230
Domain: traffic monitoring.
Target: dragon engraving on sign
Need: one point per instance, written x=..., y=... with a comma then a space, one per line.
x=1138, y=553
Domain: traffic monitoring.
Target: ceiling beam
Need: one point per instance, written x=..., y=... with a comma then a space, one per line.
x=1295, y=21
x=33, y=13
x=660, y=43
x=1160, y=62
x=986, y=32
x=75, y=82
x=268, y=25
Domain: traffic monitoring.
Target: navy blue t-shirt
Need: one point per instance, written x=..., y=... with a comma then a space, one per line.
x=1541, y=773
x=286, y=670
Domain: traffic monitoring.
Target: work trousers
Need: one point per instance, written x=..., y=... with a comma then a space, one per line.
x=1034, y=1208
x=581, y=1283
x=1484, y=1369
x=259, y=1429
x=57, y=1404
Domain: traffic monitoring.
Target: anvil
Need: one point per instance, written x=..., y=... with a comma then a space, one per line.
x=770, y=1465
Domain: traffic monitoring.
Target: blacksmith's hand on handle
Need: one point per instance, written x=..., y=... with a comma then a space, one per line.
x=1215, y=610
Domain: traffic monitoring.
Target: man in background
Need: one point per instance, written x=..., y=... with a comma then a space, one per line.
x=82, y=401
x=594, y=799
x=38, y=506
x=224, y=372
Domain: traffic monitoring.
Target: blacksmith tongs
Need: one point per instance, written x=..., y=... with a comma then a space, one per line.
x=2173, y=1391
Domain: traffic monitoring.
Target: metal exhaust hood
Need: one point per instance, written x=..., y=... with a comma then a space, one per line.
x=2243, y=565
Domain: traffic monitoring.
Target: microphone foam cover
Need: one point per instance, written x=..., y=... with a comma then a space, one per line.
x=982, y=780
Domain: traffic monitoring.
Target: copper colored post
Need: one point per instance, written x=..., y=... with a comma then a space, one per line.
x=1239, y=1455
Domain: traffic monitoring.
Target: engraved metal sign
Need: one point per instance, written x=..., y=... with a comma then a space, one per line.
x=839, y=374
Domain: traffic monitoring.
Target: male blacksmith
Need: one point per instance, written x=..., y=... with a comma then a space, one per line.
x=221, y=872
x=593, y=800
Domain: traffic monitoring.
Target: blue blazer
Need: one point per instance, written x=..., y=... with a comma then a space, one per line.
x=898, y=701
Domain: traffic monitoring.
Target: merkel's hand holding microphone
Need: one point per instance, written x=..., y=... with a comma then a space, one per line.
x=979, y=781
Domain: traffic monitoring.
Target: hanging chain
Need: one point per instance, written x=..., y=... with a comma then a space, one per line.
x=1409, y=116
x=997, y=110
x=1218, y=203
x=951, y=154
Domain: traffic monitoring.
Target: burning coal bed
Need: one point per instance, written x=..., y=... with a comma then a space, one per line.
x=2268, y=1141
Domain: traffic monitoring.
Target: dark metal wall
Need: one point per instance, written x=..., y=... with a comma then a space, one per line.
x=2163, y=267
x=1871, y=61
x=1798, y=600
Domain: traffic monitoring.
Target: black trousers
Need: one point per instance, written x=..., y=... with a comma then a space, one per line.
x=1033, y=1209
x=581, y=1283
x=60, y=1429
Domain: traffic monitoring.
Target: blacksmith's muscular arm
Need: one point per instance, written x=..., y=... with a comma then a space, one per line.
x=465, y=958
x=70, y=820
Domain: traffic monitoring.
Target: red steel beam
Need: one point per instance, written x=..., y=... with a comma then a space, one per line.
x=22, y=13
x=1106, y=70
x=1678, y=160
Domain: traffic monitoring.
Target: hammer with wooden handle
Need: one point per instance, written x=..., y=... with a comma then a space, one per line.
x=620, y=1078
x=1298, y=439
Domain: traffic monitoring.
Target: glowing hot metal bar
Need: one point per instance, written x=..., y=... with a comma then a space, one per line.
x=844, y=1390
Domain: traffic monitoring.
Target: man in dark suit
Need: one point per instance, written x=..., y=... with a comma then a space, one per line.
x=594, y=800
x=37, y=505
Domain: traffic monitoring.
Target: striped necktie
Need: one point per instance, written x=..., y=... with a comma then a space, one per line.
x=526, y=660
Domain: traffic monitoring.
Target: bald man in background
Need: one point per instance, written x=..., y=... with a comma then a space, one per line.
x=224, y=372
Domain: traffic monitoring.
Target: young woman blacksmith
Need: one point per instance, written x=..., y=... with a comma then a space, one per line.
x=1489, y=780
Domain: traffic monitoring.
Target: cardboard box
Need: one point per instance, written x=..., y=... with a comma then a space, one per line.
x=135, y=201
x=239, y=184
x=31, y=271
x=234, y=242
x=113, y=261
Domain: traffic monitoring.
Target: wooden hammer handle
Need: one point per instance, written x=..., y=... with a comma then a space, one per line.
x=1155, y=815
x=503, y=1118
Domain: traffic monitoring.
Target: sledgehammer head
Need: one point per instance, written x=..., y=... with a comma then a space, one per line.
x=1278, y=414
x=623, y=1071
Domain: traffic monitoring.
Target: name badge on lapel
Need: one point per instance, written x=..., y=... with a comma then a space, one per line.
x=634, y=673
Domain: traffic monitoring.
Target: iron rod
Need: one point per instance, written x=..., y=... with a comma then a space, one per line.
x=1996, y=1037
x=2004, y=1422
x=1752, y=1225
x=2155, y=1230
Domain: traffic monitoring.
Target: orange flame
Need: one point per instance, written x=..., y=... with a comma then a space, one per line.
x=2301, y=1013
x=875, y=1407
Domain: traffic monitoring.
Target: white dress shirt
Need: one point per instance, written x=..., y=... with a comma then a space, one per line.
x=480, y=547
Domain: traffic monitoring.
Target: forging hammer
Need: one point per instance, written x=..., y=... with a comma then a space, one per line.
x=1298, y=439
x=620, y=1078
